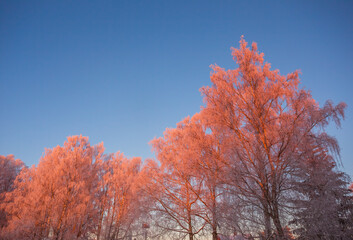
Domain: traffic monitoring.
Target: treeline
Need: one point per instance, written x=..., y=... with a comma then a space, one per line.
x=255, y=163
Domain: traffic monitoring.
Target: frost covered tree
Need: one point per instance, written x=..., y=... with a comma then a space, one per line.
x=178, y=186
x=206, y=147
x=267, y=118
x=121, y=200
x=9, y=169
x=324, y=204
x=54, y=200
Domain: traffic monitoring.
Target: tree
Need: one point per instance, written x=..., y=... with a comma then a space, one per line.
x=179, y=187
x=9, y=169
x=121, y=205
x=207, y=146
x=324, y=204
x=267, y=118
x=55, y=200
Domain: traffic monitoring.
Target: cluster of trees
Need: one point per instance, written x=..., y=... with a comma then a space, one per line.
x=75, y=192
x=255, y=161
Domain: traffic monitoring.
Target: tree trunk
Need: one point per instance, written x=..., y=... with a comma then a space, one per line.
x=191, y=236
x=277, y=222
x=100, y=220
x=214, y=235
x=188, y=208
x=111, y=221
x=267, y=220
x=214, y=214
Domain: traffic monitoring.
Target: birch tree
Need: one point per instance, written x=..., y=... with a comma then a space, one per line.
x=9, y=169
x=178, y=196
x=268, y=116
x=55, y=199
x=324, y=204
x=122, y=201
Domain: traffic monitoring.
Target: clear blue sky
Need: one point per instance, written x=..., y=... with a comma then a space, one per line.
x=122, y=71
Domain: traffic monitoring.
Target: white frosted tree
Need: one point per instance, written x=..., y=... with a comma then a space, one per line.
x=324, y=206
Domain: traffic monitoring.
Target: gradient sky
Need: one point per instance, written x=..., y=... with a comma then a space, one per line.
x=122, y=71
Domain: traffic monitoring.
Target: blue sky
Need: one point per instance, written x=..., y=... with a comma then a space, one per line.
x=122, y=71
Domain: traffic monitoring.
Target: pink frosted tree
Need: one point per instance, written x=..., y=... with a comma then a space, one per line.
x=120, y=204
x=54, y=200
x=268, y=118
x=176, y=187
x=9, y=169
